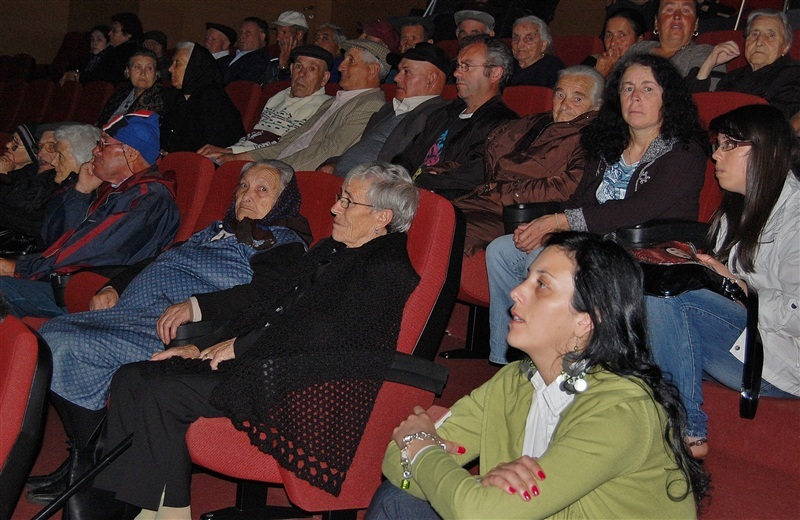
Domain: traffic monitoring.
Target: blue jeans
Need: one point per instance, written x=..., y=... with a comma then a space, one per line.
x=30, y=298
x=392, y=503
x=507, y=267
x=691, y=336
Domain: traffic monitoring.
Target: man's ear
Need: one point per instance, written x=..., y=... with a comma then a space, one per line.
x=325, y=78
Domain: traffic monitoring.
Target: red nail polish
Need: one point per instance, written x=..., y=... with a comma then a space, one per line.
x=462, y=450
x=526, y=496
x=535, y=490
x=511, y=490
x=540, y=474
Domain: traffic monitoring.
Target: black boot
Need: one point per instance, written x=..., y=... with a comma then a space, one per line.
x=38, y=481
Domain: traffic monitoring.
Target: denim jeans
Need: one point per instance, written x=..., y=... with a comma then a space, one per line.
x=507, y=267
x=691, y=336
x=30, y=298
x=392, y=503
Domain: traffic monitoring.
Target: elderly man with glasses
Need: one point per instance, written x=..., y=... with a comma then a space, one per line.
x=119, y=211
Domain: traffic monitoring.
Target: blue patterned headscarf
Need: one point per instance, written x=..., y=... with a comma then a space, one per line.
x=285, y=213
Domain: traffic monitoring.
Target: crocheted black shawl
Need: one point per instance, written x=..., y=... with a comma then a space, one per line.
x=305, y=389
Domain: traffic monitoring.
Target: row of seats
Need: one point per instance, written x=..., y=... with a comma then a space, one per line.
x=42, y=100
x=20, y=66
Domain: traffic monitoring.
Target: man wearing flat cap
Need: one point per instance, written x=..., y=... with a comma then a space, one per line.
x=219, y=39
x=340, y=121
x=473, y=23
x=252, y=57
x=119, y=212
x=291, y=29
x=289, y=108
x=422, y=73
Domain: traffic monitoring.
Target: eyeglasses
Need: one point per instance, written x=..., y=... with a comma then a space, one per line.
x=464, y=67
x=48, y=147
x=102, y=144
x=729, y=144
x=346, y=201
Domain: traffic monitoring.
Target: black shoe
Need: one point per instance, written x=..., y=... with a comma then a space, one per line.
x=38, y=481
x=48, y=493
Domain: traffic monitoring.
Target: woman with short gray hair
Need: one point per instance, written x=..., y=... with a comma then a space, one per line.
x=530, y=43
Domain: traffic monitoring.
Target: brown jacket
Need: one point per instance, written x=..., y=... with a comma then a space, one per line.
x=549, y=168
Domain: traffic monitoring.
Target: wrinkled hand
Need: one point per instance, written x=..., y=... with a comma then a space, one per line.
x=87, y=182
x=222, y=351
x=516, y=477
x=186, y=352
x=724, y=52
x=172, y=318
x=105, y=299
x=327, y=168
x=70, y=75
x=607, y=60
x=7, y=267
x=286, y=47
x=213, y=152
x=419, y=421
x=528, y=237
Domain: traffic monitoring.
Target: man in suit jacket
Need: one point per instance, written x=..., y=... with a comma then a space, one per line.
x=422, y=73
x=252, y=57
x=340, y=121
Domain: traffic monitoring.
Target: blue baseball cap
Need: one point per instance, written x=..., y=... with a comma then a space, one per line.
x=138, y=130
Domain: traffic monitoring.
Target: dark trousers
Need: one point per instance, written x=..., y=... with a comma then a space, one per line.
x=158, y=410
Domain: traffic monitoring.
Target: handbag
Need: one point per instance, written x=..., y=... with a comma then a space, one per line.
x=672, y=268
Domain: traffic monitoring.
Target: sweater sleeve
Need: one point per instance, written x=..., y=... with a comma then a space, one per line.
x=268, y=267
x=586, y=452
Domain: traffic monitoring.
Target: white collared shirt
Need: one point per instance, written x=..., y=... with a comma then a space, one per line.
x=409, y=103
x=239, y=54
x=221, y=54
x=547, y=405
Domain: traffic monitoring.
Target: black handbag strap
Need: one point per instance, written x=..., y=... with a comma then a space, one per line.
x=753, y=361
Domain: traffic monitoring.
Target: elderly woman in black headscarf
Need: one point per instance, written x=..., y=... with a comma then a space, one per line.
x=261, y=236
x=199, y=111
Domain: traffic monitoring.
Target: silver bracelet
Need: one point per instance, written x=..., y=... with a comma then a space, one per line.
x=405, y=463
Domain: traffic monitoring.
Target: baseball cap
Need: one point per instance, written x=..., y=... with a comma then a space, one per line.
x=138, y=130
x=289, y=18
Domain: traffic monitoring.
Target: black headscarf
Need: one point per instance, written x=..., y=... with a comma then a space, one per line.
x=201, y=70
x=285, y=213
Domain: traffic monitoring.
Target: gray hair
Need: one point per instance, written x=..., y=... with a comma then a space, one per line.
x=788, y=33
x=338, y=34
x=544, y=30
x=590, y=73
x=497, y=55
x=368, y=58
x=285, y=171
x=390, y=188
x=81, y=138
x=185, y=45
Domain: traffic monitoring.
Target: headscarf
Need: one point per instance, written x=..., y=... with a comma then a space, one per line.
x=285, y=213
x=201, y=70
x=26, y=135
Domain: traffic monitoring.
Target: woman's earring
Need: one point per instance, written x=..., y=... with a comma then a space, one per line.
x=695, y=33
x=375, y=230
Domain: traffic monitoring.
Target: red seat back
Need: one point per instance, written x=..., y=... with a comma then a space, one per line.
x=10, y=102
x=94, y=96
x=332, y=88
x=573, y=49
x=25, y=367
x=214, y=443
x=318, y=191
x=193, y=175
x=450, y=47
x=63, y=102
x=245, y=96
x=528, y=99
x=389, y=90
x=34, y=102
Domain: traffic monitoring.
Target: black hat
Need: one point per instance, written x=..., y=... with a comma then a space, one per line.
x=156, y=36
x=224, y=29
x=424, y=51
x=312, y=51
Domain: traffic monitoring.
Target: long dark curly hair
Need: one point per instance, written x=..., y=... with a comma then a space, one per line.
x=608, y=136
x=608, y=287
